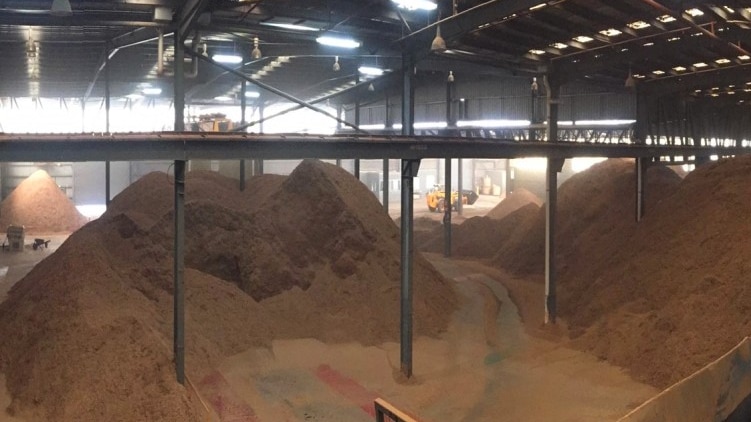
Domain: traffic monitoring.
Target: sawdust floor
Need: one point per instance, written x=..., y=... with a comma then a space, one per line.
x=485, y=368
x=13, y=267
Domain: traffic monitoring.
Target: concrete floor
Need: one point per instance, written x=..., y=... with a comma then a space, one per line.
x=485, y=368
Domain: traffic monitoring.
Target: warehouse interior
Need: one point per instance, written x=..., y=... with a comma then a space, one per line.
x=390, y=210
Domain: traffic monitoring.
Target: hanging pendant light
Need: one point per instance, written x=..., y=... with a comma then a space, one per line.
x=438, y=44
x=337, y=66
x=630, y=81
x=256, y=53
x=451, y=76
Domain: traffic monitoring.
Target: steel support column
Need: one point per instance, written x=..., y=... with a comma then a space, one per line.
x=459, y=185
x=258, y=167
x=641, y=168
x=450, y=122
x=447, y=210
x=107, y=100
x=243, y=110
x=179, y=234
x=409, y=172
x=357, y=123
x=551, y=199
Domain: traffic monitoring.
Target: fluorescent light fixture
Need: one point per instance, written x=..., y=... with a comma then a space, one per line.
x=648, y=44
x=639, y=25
x=729, y=9
x=152, y=91
x=373, y=127
x=606, y=122
x=666, y=19
x=700, y=65
x=679, y=69
x=722, y=61
x=337, y=42
x=227, y=58
x=583, y=39
x=694, y=12
x=674, y=39
x=537, y=52
x=291, y=26
x=134, y=96
x=744, y=57
x=429, y=125
x=639, y=76
x=539, y=6
x=559, y=45
x=223, y=98
x=252, y=94
x=415, y=4
x=370, y=71
x=493, y=123
x=658, y=72
x=611, y=32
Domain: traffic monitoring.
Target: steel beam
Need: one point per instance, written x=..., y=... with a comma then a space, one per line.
x=409, y=172
x=551, y=199
x=267, y=87
x=187, y=15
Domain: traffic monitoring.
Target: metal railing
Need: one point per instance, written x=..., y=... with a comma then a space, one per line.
x=384, y=410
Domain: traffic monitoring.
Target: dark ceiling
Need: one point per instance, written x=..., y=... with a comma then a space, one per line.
x=696, y=47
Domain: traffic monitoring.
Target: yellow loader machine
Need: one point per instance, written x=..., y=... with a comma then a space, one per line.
x=436, y=198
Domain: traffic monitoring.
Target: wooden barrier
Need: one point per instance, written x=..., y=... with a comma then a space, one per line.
x=385, y=409
x=711, y=394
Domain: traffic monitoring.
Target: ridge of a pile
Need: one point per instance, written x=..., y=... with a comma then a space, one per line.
x=88, y=331
x=519, y=198
x=38, y=204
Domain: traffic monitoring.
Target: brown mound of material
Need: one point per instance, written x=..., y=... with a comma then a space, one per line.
x=677, y=294
x=38, y=204
x=481, y=237
x=593, y=206
x=88, y=333
x=517, y=199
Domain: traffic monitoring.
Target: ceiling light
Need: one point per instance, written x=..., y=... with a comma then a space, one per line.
x=151, y=91
x=583, y=39
x=61, y=8
x=658, y=72
x=438, y=44
x=612, y=32
x=679, y=69
x=337, y=67
x=630, y=82
x=744, y=57
x=256, y=53
x=694, y=12
x=252, y=94
x=451, y=76
x=715, y=95
x=666, y=19
x=337, y=42
x=371, y=88
x=674, y=39
x=370, y=71
x=537, y=52
x=722, y=61
x=224, y=98
x=700, y=65
x=559, y=45
x=639, y=76
x=291, y=26
x=227, y=58
x=539, y=6
x=415, y=4
x=729, y=9
x=639, y=25
x=731, y=92
x=648, y=44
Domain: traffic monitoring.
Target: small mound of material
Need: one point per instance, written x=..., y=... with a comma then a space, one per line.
x=38, y=204
x=517, y=199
